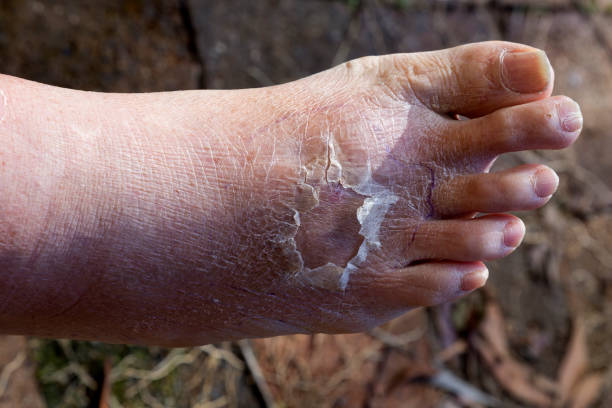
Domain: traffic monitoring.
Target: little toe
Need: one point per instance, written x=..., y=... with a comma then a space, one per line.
x=552, y=123
x=476, y=79
x=427, y=284
x=480, y=239
x=522, y=188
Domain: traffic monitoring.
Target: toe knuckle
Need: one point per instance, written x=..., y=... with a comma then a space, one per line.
x=481, y=61
x=425, y=75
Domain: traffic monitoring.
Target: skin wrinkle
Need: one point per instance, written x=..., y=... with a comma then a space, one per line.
x=432, y=183
x=414, y=232
x=190, y=158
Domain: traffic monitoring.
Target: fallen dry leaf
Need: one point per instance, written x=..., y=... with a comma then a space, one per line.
x=452, y=351
x=17, y=375
x=516, y=378
x=493, y=329
x=351, y=370
x=587, y=391
x=575, y=362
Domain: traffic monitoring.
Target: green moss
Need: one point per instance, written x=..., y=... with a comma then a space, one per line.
x=71, y=373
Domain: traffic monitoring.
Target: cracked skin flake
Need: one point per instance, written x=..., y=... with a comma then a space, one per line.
x=369, y=202
x=344, y=190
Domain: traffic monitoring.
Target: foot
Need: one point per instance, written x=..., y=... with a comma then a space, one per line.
x=329, y=204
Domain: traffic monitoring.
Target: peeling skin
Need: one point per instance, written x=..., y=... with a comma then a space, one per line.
x=376, y=202
x=370, y=215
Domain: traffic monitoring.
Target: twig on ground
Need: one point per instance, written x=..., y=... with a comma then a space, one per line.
x=255, y=369
x=467, y=393
x=9, y=369
x=397, y=340
x=175, y=358
x=73, y=368
x=224, y=355
x=211, y=366
x=455, y=349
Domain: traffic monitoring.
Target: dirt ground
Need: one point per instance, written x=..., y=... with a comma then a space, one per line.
x=537, y=336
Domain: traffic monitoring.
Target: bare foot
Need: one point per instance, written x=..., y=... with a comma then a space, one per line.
x=329, y=204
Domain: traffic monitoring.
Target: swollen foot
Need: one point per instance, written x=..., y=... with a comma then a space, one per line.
x=329, y=204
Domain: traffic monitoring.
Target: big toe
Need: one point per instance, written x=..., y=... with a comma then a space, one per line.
x=475, y=79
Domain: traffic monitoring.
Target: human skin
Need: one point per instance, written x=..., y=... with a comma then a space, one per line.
x=329, y=204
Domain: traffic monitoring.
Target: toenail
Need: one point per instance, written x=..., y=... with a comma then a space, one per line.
x=525, y=72
x=545, y=182
x=474, y=280
x=513, y=233
x=570, y=116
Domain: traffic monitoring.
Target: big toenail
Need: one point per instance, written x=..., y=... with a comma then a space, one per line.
x=513, y=233
x=474, y=280
x=570, y=116
x=545, y=182
x=525, y=72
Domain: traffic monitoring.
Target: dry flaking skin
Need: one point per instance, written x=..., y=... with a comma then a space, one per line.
x=357, y=193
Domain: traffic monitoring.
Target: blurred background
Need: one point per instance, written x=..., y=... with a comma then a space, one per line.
x=539, y=334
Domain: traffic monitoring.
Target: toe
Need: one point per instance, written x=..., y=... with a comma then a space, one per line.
x=522, y=188
x=480, y=239
x=427, y=284
x=552, y=123
x=476, y=79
